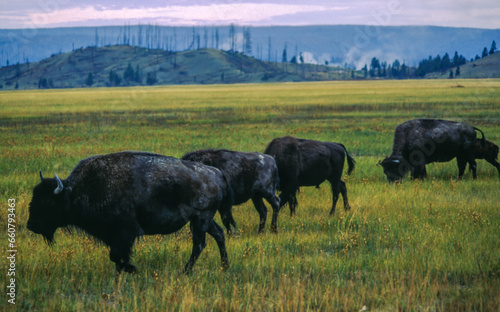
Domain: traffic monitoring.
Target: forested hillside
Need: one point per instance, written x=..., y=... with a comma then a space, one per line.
x=126, y=65
x=350, y=46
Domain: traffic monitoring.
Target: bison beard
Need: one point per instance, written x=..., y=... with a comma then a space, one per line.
x=121, y=196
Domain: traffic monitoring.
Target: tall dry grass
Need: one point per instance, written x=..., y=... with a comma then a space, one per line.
x=421, y=245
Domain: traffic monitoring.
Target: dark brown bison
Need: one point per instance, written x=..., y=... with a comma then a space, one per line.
x=423, y=141
x=489, y=152
x=251, y=176
x=308, y=163
x=121, y=196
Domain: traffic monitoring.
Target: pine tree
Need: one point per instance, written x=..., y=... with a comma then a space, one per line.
x=437, y=63
x=456, y=59
x=232, y=38
x=129, y=75
x=217, y=38
x=493, y=47
x=205, y=37
x=137, y=76
x=90, y=80
x=247, y=38
x=485, y=52
x=114, y=78
x=42, y=83
x=374, y=65
x=365, y=71
x=403, y=73
x=395, y=69
x=269, y=49
x=284, y=58
x=446, y=62
x=151, y=78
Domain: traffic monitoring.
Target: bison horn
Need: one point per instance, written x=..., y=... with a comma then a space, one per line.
x=41, y=176
x=59, y=185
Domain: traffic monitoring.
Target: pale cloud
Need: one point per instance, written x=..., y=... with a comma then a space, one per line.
x=182, y=15
x=57, y=13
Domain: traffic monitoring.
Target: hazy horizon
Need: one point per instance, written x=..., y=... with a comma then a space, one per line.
x=70, y=13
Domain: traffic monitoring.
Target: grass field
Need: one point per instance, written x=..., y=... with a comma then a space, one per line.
x=430, y=245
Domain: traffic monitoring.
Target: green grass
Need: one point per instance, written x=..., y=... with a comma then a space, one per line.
x=428, y=245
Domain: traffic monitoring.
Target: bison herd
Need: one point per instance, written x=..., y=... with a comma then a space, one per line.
x=120, y=196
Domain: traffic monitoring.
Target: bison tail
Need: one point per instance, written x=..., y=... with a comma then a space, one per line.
x=483, y=139
x=350, y=161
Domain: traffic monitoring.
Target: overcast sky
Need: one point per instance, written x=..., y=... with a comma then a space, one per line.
x=62, y=13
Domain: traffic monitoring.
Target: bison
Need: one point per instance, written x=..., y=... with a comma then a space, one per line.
x=423, y=141
x=489, y=152
x=251, y=176
x=304, y=162
x=120, y=196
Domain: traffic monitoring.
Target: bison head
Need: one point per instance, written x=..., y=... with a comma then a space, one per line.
x=395, y=168
x=48, y=207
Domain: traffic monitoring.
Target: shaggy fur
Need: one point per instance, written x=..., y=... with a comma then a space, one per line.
x=488, y=152
x=121, y=196
x=423, y=141
x=308, y=163
x=250, y=175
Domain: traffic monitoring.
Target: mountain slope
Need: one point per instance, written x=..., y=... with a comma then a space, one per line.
x=204, y=66
x=354, y=45
x=487, y=67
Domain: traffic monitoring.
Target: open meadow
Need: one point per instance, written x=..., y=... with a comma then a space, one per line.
x=431, y=245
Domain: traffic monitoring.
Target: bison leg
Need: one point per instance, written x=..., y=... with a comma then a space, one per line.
x=289, y=196
x=275, y=204
x=496, y=164
x=462, y=163
x=119, y=253
x=262, y=210
x=473, y=166
x=419, y=172
x=335, y=194
x=343, y=191
x=198, y=232
x=218, y=234
x=227, y=220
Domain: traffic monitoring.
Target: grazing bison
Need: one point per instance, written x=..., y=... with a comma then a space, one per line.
x=423, y=141
x=251, y=176
x=489, y=152
x=308, y=163
x=120, y=196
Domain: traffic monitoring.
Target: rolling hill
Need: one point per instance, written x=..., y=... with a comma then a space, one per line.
x=354, y=45
x=125, y=65
x=487, y=67
x=108, y=65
